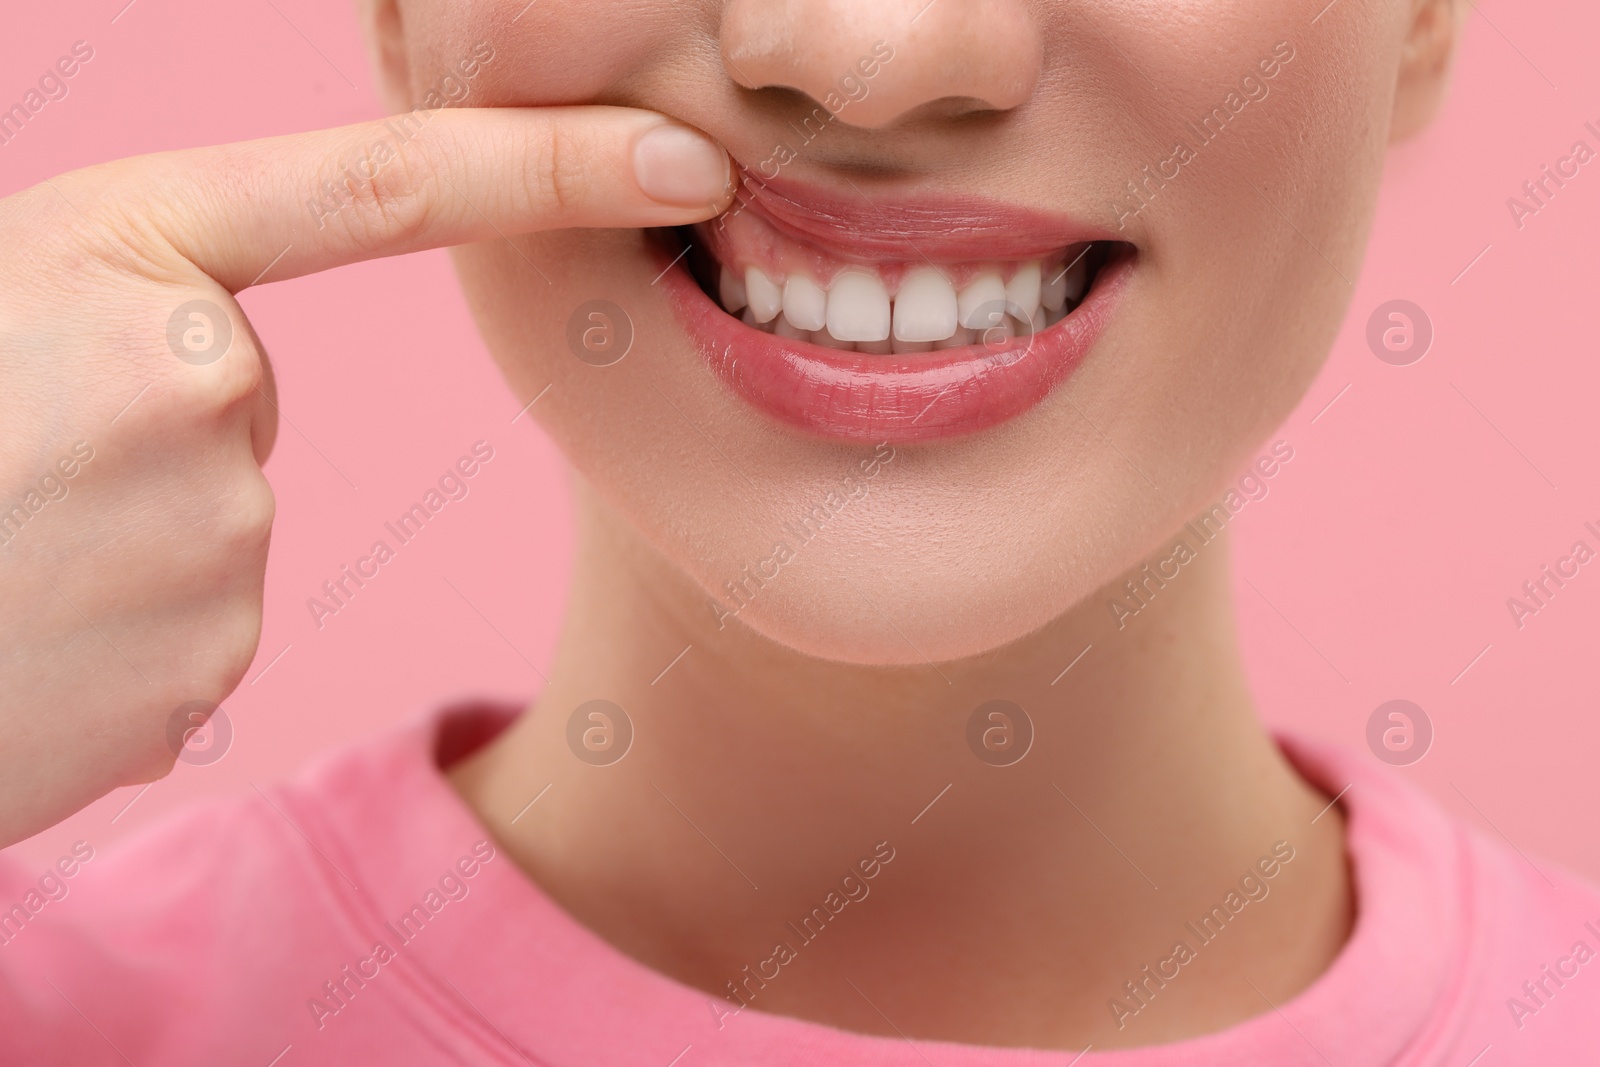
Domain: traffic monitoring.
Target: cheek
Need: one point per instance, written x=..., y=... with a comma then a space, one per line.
x=548, y=52
x=555, y=309
x=1249, y=250
x=650, y=432
x=1255, y=241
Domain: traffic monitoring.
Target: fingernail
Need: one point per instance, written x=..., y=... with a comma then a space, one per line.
x=676, y=165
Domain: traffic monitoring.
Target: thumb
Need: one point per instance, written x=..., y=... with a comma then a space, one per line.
x=309, y=202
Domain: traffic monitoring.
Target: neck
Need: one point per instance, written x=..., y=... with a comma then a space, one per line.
x=718, y=849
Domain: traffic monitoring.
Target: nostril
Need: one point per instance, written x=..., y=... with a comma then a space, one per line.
x=871, y=64
x=832, y=84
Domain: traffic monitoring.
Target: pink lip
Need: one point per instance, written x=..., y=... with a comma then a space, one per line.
x=940, y=228
x=872, y=398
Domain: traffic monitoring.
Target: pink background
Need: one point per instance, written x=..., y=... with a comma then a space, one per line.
x=1377, y=568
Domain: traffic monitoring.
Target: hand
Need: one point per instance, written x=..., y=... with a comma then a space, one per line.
x=138, y=405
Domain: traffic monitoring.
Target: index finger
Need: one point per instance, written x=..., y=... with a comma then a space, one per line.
x=309, y=202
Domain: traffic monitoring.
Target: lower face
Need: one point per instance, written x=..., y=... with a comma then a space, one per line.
x=936, y=383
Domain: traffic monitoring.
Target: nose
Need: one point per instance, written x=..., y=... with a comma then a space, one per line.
x=871, y=62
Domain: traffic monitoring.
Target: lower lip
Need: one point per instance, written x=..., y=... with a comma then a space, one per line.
x=861, y=397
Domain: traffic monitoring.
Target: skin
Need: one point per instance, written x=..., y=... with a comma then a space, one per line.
x=139, y=590
x=832, y=710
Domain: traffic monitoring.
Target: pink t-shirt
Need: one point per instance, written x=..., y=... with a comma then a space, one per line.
x=362, y=915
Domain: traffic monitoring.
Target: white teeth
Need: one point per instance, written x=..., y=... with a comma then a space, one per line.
x=731, y=290
x=858, y=307
x=927, y=312
x=805, y=305
x=1023, y=289
x=976, y=304
x=925, y=307
x=998, y=333
x=961, y=338
x=766, y=299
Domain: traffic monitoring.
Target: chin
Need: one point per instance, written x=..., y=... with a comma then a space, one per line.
x=933, y=561
x=873, y=457
x=876, y=624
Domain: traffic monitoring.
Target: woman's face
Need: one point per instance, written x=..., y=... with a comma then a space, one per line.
x=1219, y=160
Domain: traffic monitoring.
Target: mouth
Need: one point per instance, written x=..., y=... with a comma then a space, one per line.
x=879, y=320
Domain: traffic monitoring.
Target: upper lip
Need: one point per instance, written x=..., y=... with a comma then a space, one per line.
x=895, y=226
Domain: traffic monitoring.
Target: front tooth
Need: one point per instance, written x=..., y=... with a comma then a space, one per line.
x=977, y=303
x=1023, y=289
x=766, y=299
x=731, y=289
x=898, y=346
x=858, y=307
x=925, y=306
x=805, y=304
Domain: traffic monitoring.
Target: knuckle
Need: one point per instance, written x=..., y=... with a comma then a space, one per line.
x=225, y=534
x=559, y=170
x=109, y=213
x=222, y=390
x=245, y=523
x=392, y=205
x=217, y=659
x=237, y=643
x=80, y=233
x=241, y=376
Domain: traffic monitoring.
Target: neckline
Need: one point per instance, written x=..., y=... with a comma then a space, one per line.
x=536, y=968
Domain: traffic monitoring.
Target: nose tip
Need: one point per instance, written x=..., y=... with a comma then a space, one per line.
x=871, y=62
